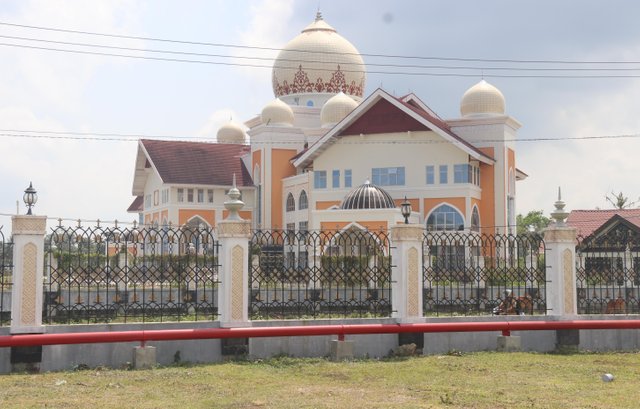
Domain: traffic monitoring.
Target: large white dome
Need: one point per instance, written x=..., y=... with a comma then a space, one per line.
x=483, y=99
x=316, y=65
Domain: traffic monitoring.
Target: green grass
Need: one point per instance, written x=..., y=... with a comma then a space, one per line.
x=478, y=380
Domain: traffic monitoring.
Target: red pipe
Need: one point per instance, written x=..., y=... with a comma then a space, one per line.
x=312, y=330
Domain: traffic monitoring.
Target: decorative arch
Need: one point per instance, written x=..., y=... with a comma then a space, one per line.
x=475, y=219
x=291, y=203
x=445, y=217
x=303, y=201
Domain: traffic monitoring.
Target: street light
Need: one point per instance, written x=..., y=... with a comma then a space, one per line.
x=30, y=197
x=405, y=209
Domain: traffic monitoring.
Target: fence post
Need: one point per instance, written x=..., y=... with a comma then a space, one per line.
x=28, y=266
x=406, y=273
x=234, y=234
x=560, y=242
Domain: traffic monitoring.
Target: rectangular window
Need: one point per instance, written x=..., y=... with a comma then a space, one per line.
x=347, y=178
x=320, y=179
x=387, y=176
x=156, y=197
x=180, y=195
x=461, y=173
x=165, y=196
x=431, y=176
x=190, y=195
x=291, y=234
x=200, y=195
x=210, y=195
x=335, y=179
x=147, y=201
x=444, y=170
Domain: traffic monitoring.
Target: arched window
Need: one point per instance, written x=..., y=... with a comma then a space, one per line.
x=303, y=203
x=291, y=203
x=475, y=219
x=445, y=217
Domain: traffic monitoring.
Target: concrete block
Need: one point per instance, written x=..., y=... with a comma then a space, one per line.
x=144, y=357
x=341, y=350
x=509, y=344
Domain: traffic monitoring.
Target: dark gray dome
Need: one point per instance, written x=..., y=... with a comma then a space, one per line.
x=368, y=196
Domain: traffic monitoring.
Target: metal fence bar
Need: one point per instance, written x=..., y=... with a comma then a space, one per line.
x=608, y=272
x=6, y=278
x=114, y=274
x=319, y=274
x=476, y=274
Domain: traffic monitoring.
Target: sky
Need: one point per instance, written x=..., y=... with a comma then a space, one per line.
x=48, y=96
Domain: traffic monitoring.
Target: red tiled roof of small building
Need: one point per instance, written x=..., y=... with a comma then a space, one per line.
x=136, y=205
x=199, y=163
x=588, y=221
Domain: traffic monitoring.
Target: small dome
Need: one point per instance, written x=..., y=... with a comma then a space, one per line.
x=483, y=99
x=367, y=196
x=336, y=108
x=277, y=112
x=231, y=132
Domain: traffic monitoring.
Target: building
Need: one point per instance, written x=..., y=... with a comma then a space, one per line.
x=322, y=155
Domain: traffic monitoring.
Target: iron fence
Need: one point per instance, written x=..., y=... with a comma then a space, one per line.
x=6, y=278
x=608, y=272
x=320, y=274
x=114, y=274
x=472, y=274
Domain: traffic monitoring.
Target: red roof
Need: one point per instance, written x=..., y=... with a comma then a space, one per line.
x=588, y=221
x=136, y=205
x=198, y=163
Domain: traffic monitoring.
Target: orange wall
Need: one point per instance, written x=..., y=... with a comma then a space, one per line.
x=281, y=168
x=458, y=202
x=371, y=225
x=185, y=214
x=415, y=203
x=323, y=205
x=244, y=214
x=487, y=207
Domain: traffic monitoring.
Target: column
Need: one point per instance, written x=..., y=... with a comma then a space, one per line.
x=234, y=234
x=28, y=268
x=406, y=275
x=560, y=242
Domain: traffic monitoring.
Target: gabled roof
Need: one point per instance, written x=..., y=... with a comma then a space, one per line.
x=193, y=163
x=136, y=205
x=408, y=115
x=588, y=222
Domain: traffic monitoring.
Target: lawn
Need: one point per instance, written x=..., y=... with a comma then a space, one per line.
x=475, y=380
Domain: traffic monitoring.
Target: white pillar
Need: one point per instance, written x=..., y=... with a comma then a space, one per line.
x=233, y=297
x=28, y=268
x=234, y=234
x=560, y=243
x=406, y=275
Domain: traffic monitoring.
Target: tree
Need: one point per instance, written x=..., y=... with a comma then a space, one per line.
x=535, y=219
x=619, y=201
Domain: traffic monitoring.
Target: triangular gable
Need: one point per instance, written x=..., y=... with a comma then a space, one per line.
x=614, y=235
x=417, y=103
x=418, y=119
x=384, y=117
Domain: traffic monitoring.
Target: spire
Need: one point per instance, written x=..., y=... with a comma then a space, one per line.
x=318, y=14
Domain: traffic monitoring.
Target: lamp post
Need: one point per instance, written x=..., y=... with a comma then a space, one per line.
x=30, y=198
x=405, y=209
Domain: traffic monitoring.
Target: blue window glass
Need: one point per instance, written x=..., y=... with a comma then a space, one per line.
x=431, y=177
x=444, y=171
x=445, y=217
x=461, y=173
x=387, y=176
x=335, y=179
x=320, y=179
x=347, y=178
